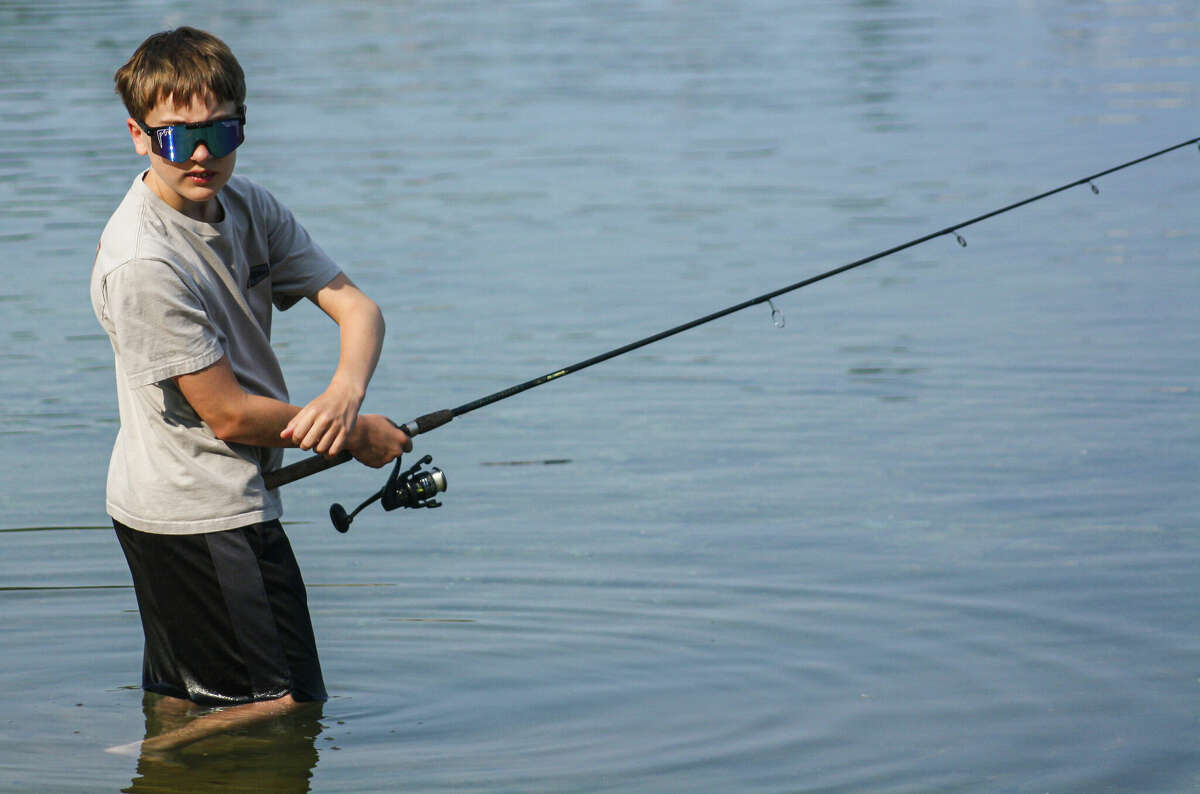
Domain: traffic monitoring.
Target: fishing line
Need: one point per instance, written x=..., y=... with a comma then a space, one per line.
x=419, y=493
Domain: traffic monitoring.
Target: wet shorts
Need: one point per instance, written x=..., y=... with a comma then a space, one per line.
x=225, y=615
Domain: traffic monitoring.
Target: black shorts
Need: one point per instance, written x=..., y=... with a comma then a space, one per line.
x=225, y=615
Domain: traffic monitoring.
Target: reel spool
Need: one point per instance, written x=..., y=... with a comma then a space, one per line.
x=413, y=487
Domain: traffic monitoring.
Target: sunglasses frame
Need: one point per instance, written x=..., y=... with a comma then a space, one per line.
x=156, y=147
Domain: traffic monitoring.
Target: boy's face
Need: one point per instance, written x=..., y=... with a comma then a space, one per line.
x=189, y=186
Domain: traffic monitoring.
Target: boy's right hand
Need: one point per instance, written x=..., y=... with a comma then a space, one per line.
x=376, y=440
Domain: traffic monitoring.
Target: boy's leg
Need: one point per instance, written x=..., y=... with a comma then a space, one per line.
x=224, y=614
x=288, y=598
x=210, y=724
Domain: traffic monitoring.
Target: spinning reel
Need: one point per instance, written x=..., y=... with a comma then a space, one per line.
x=412, y=487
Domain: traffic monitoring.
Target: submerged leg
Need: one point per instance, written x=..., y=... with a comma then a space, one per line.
x=206, y=725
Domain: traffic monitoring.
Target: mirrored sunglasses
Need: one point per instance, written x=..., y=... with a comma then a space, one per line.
x=176, y=142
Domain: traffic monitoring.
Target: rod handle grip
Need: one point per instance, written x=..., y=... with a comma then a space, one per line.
x=303, y=468
x=431, y=421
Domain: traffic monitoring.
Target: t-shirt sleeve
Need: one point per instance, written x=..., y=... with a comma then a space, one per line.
x=161, y=329
x=299, y=267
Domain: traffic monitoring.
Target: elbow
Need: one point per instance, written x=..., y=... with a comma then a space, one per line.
x=225, y=427
x=375, y=316
x=369, y=313
x=363, y=320
x=230, y=422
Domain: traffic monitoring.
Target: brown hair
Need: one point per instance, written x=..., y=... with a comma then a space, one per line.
x=179, y=65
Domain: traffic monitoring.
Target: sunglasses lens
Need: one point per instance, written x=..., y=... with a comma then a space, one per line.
x=226, y=136
x=177, y=142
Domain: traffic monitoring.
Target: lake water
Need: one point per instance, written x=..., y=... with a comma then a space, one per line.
x=938, y=533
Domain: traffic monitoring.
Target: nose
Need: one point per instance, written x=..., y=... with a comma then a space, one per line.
x=201, y=152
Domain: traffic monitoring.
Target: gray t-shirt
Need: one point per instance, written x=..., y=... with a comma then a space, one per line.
x=175, y=294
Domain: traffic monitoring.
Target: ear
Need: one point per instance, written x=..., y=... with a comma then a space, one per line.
x=141, y=144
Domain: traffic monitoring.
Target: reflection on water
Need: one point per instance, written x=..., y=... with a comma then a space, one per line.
x=937, y=533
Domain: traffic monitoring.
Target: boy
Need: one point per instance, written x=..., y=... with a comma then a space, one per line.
x=186, y=273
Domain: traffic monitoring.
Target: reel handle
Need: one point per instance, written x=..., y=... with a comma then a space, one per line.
x=341, y=521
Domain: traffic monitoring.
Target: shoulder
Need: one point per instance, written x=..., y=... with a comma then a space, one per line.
x=135, y=235
x=120, y=251
x=137, y=287
x=138, y=242
x=141, y=278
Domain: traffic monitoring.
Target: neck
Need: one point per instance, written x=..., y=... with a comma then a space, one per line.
x=208, y=211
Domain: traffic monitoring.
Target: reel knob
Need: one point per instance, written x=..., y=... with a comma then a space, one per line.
x=341, y=521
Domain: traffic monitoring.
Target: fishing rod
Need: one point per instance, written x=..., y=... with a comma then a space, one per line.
x=417, y=488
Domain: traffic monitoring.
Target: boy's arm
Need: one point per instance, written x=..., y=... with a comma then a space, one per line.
x=238, y=417
x=329, y=423
x=325, y=423
x=234, y=414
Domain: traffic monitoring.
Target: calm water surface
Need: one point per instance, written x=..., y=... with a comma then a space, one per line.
x=938, y=533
